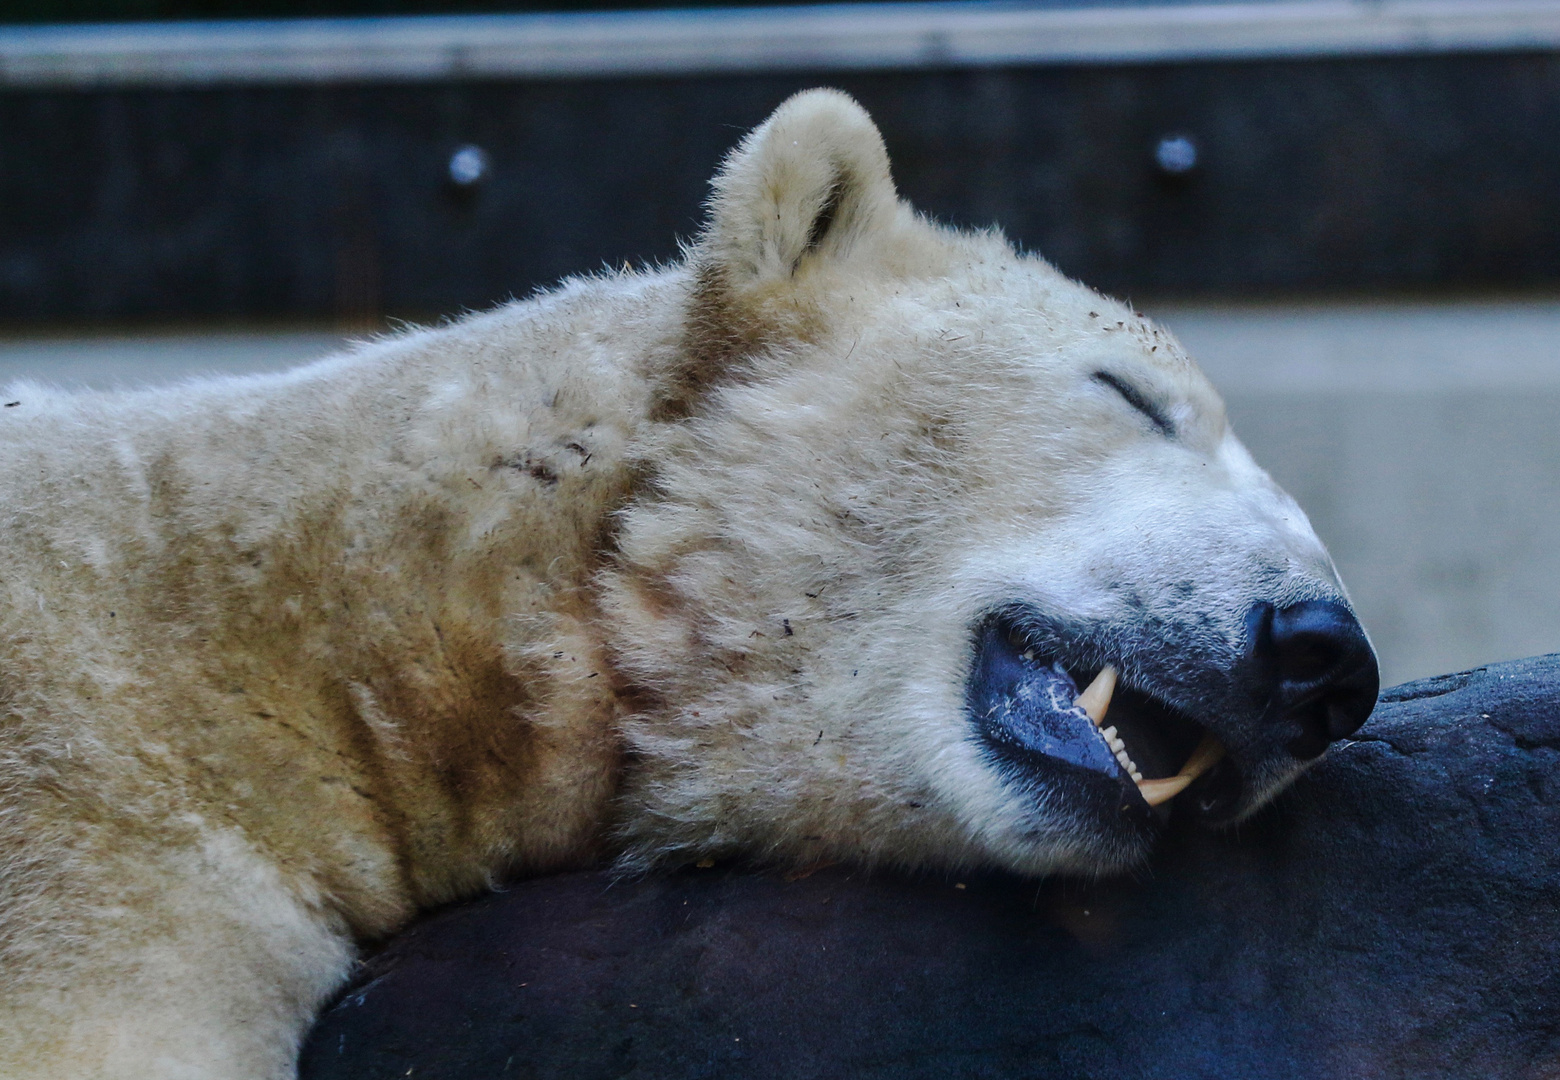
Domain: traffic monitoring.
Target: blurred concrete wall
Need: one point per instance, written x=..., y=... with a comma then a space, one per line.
x=1423, y=439
x=1424, y=442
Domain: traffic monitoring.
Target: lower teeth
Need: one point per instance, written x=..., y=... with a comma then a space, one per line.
x=1095, y=700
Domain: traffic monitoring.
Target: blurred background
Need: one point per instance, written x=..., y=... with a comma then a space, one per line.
x=1349, y=210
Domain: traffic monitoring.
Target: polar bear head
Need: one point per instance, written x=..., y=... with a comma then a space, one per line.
x=907, y=493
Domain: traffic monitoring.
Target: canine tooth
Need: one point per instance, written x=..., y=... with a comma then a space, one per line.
x=1207, y=754
x=1155, y=792
x=1095, y=698
x=1205, y=757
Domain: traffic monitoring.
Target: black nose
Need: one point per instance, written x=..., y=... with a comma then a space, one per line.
x=1322, y=669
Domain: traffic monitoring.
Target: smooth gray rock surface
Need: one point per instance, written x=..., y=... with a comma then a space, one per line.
x=1396, y=914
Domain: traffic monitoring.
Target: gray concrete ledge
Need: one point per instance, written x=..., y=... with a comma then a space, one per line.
x=112, y=361
x=824, y=37
x=1424, y=347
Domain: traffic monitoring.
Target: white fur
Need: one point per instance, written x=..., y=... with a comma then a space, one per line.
x=287, y=658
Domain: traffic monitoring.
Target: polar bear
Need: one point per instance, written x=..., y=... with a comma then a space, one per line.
x=849, y=537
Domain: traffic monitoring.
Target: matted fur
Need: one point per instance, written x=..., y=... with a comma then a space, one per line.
x=655, y=566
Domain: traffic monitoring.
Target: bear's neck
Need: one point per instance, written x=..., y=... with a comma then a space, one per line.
x=415, y=613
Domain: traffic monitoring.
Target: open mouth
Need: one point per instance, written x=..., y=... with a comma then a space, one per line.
x=1031, y=713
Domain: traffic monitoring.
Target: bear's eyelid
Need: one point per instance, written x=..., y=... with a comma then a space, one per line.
x=1138, y=400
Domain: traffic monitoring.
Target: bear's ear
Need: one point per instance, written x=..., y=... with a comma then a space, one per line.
x=807, y=188
x=812, y=182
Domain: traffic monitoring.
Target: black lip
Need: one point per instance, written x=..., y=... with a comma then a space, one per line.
x=1024, y=706
x=1055, y=755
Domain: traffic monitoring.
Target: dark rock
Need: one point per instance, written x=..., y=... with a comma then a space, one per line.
x=1396, y=914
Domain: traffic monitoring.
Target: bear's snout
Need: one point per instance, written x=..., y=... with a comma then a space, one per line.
x=1321, y=669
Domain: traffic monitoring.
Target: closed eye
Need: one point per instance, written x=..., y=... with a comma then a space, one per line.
x=1138, y=400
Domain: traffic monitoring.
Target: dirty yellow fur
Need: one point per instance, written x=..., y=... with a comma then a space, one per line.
x=651, y=567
